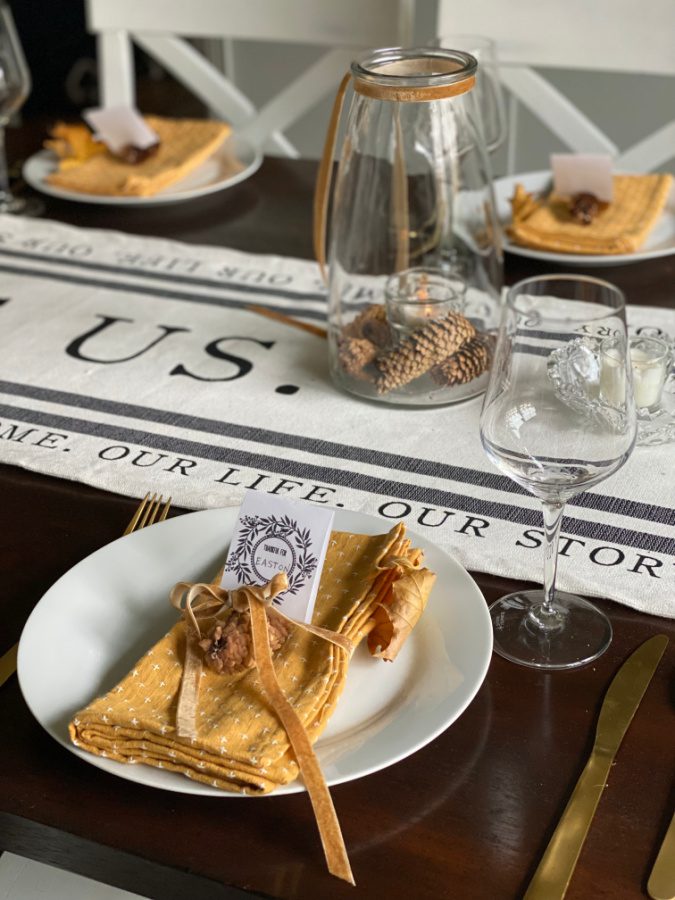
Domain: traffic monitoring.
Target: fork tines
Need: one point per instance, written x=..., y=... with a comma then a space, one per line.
x=148, y=512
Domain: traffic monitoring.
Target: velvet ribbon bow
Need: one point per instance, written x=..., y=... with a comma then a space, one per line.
x=199, y=601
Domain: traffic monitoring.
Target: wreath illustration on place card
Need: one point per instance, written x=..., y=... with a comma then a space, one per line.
x=282, y=545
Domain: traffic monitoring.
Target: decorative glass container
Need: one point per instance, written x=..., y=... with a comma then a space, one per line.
x=653, y=363
x=415, y=265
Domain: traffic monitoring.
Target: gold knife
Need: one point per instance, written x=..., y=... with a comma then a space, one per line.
x=661, y=884
x=8, y=663
x=623, y=697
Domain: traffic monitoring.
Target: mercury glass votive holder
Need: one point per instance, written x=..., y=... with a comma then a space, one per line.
x=416, y=296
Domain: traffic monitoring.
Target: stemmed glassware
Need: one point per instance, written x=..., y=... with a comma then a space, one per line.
x=558, y=417
x=489, y=95
x=15, y=85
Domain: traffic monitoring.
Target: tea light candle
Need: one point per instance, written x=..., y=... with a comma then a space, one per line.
x=416, y=296
x=649, y=361
x=650, y=357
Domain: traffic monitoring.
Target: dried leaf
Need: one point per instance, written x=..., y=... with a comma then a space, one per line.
x=523, y=204
x=397, y=615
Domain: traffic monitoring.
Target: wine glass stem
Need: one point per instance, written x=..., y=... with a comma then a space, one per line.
x=5, y=193
x=548, y=616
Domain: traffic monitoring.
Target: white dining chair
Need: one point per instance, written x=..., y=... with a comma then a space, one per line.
x=593, y=35
x=161, y=29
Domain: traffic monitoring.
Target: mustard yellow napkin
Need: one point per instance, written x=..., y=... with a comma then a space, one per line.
x=240, y=743
x=184, y=144
x=622, y=227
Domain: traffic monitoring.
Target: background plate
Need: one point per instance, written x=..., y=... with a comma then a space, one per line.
x=234, y=161
x=89, y=629
x=660, y=242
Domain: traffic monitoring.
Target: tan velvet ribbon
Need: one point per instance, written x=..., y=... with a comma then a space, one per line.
x=191, y=600
x=391, y=93
x=400, y=197
x=324, y=177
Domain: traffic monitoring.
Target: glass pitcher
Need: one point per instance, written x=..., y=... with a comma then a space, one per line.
x=414, y=256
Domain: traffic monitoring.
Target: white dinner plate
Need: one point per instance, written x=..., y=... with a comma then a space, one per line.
x=235, y=160
x=90, y=628
x=660, y=242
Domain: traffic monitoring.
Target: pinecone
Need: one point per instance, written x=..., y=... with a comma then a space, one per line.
x=421, y=350
x=355, y=353
x=471, y=360
x=229, y=648
x=586, y=207
x=370, y=324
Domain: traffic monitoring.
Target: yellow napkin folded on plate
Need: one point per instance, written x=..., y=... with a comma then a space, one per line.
x=239, y=743
x=622, y=227
x=184, y=144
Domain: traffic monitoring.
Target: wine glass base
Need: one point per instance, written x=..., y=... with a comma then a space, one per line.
x=580, y=633
x=22, y=206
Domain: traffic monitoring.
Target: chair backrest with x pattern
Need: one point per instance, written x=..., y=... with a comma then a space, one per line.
x=593, y=35
x=160, y=27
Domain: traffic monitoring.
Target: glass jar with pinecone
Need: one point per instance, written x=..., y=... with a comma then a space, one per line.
x=413, y=194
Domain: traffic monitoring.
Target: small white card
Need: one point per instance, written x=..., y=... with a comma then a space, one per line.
x=582, y=173
x=274, y=534
x=119, y=127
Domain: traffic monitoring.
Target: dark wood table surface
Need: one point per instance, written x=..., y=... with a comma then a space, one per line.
x=466, y=817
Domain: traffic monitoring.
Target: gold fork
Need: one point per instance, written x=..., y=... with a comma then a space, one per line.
x=150, y=510
x=147, y=511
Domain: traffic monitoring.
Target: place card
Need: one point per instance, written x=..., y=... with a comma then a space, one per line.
x=583, y=173
x=274, y=534
x=119, y=127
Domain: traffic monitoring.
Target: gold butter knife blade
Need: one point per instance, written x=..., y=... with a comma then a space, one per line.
x=623, y=697
x=661, y=884
x=8, y=663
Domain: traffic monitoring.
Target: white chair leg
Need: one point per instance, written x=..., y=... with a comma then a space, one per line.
x=229, y=59
x=406, y=22
x=512, y=136
x=115, y=69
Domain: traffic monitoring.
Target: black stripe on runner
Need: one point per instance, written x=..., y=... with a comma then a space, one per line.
x=166, y=293
x=428, y=468
x=168, y=276
x=532, y=349
x=344, y=478
x=560, y=337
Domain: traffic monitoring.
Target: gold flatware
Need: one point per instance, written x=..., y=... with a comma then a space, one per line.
x=149, y=511
x=623, y=697
x=8, y=663
x=661, y=884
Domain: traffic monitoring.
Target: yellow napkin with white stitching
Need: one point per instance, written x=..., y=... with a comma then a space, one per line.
x=240, y=743
x=87, y=167
x=622, y=227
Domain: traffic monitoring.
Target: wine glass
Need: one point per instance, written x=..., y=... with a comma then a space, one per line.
x=488, y=91
x=15, y=85
x=558, y=417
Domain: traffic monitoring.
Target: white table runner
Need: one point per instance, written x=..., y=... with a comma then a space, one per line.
x=132, y=364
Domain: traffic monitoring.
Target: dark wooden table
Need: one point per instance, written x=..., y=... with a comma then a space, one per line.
x=466, y=817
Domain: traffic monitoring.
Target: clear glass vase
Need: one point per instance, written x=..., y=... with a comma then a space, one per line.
x=415, y=263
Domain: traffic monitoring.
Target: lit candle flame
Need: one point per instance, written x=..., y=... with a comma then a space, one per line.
x=426, y=311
